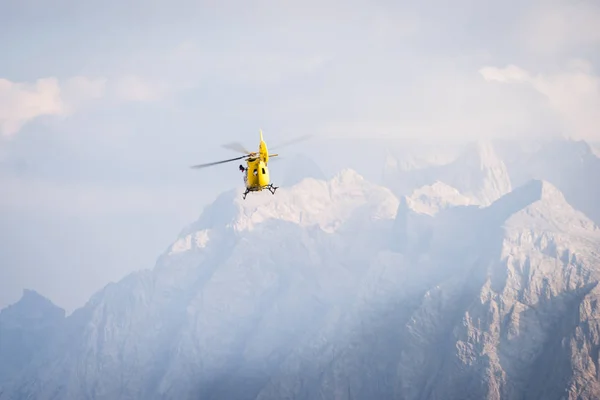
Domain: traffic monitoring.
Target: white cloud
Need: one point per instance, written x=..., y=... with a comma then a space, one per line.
x=79, y=89
x=574, y=94
x=22, y=102
x=508, y=74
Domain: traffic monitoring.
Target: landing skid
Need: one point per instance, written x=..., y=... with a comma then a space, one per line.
x=270, y=187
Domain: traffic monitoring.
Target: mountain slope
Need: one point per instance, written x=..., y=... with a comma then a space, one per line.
x=339, y=289
x=26, y=328
x=270, y=264
x=473, y=324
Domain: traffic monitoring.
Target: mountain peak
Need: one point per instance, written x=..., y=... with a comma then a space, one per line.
x=316, y=202
x=533, y=191
x=549, y=192
x=480, y=174
x=481, y=154
x=540, y=205
x=32, y=306
x=30, y=294
x=327, y=204
x=32, y=300
x=348, y=175
x=430, y=199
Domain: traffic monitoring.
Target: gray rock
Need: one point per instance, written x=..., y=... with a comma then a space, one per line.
x=338, y=289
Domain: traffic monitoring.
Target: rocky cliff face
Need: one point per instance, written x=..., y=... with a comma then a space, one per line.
x=520, y=296
x=340, y=289
x=471, y=320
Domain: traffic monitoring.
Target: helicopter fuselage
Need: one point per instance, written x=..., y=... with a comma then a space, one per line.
x=257, y=175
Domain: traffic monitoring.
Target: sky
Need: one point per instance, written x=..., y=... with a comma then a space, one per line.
x=104, y=106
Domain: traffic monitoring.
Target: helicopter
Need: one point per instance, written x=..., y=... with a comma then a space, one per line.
x=256, y=172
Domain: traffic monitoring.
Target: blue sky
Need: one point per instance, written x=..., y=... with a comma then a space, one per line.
x=104, y=106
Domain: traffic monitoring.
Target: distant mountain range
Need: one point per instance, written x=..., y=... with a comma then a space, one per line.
x=474, y=277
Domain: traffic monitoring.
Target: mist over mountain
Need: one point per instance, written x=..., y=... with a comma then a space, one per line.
x=595, y=148
x=25, y=328
x=471, y=276
x=477, y=172
x=570, y=165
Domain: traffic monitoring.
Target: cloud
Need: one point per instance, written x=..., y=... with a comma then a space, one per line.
x=508, y=74
x=80, y=89
x=573, y=94
x=22, y=102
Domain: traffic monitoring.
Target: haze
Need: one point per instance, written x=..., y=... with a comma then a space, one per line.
x=104, y=107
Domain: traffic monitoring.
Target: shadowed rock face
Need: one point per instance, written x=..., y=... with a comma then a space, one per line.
x=572, y=166
x=26, y=329
x=339, y=289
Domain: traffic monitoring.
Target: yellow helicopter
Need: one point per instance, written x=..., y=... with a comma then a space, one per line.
x=256, y=173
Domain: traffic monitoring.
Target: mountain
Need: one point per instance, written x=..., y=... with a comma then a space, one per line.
x=26, y=329
x=486, y=170
x=460, y=288
x=477, y=172
x=248, y=277
x=506, y=320
x=572, y=166
x=595, y=148
x=482, y=315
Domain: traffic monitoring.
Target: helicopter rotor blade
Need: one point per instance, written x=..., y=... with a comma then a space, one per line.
x=216, y=162
x=293, y=141
x=235, y=146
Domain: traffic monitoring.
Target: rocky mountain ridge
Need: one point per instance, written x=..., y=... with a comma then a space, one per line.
x=343, y=289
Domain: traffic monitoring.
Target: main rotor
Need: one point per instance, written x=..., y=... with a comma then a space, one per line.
x=249, y=155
